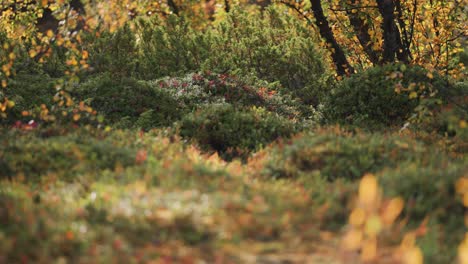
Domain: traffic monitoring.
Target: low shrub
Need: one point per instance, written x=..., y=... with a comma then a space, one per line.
x=128, y=98
x=428, y=190
x=28, y=91
x=449, y=119
x=197, y=89
x=36, y=154
x=381, y=96
x=115, y=53
x=344, y=156
x=234, y=132
x=429, y=193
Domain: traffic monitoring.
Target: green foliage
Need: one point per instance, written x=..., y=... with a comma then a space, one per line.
x=128, y=98
x=29, y=91
x=234, y=132
x=335, y=156
x=48, y=152
x=115, y=53
x=381, y=96
x=271, y=46
x=195, y=90
x=80, y=193
x=170, y=47
x=127, y=102
x=268, y=46
x=429, y=192
x=428, y=188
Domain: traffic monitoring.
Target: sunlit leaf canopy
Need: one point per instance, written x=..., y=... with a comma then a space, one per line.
x=430, y=31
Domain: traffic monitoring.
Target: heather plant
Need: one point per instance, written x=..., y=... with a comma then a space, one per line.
x=198, y=89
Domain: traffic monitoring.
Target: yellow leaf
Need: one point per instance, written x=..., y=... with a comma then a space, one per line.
x=76, y=117
x=369, y=250
x=32, y=53
x=465, y=199
x=462, y=124
x=368, y=190
x=72, y=62
x=430, y=75
x=10, y=104
x=413, y=256
x=50, y=33
x=393, y=210
x=413, y=95
x=462, y=185
x=463, y=251
x=408, y=241
x=353, y=239
x=5, y=68
x=4, y=83
x=373, y=226
x=357, y=217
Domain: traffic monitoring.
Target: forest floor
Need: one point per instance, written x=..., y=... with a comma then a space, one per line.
x=122, y=196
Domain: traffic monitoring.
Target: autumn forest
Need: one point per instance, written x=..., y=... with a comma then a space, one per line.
x=234, y=131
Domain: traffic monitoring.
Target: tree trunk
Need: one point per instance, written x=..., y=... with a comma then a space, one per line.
x=392, y=44
x=174, y=8
x=339, y=58
x=227, y=6
x=362, y=32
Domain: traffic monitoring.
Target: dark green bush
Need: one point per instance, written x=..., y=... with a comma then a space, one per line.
x=28, y=91
x=380, y=95
x=271, y=46
x=234, y=132
x=115, y=53
x=171, y=47
x=268, y=46
x=35, y=155
x=347, y=157
x=126, y=102
x=128, y=98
